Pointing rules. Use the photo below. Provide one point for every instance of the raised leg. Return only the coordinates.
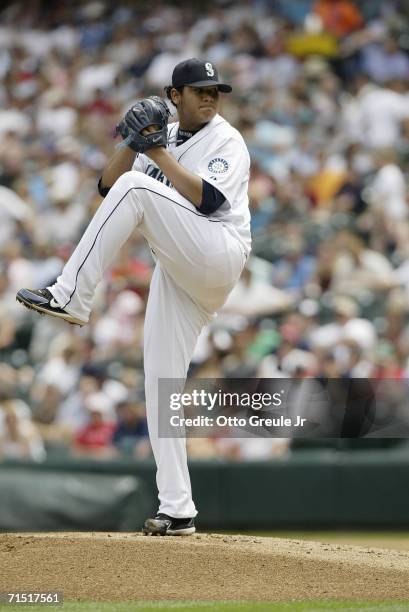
(197, 252)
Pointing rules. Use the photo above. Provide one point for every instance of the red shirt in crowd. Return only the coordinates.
(95, 435)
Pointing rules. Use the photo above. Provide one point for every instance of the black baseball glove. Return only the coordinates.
(152, 111)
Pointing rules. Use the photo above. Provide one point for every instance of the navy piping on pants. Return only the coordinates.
(111, 213)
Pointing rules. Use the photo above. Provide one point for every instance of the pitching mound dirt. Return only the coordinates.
(95, 566)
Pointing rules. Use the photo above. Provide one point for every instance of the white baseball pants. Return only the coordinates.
(198, 263)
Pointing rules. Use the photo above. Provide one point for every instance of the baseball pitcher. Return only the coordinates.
(184, 187)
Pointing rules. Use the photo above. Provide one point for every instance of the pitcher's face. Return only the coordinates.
(196, 106)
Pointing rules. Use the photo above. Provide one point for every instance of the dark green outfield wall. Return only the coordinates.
(314, 488)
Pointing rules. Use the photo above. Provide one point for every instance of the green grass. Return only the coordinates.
(218, 606)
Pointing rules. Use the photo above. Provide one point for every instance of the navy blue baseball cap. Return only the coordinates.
(197, 73)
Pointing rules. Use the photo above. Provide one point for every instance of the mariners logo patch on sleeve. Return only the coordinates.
(218, 165)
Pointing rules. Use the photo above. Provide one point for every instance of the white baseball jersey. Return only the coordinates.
(199, 259)
(218, 154)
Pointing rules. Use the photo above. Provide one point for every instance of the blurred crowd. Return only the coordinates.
(320, 94)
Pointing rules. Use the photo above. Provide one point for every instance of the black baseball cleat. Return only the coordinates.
(163, 525)
(42, 300)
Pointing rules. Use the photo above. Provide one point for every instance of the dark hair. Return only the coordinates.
(169, 88)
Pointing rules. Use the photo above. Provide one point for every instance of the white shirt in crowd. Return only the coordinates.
(374, 116)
